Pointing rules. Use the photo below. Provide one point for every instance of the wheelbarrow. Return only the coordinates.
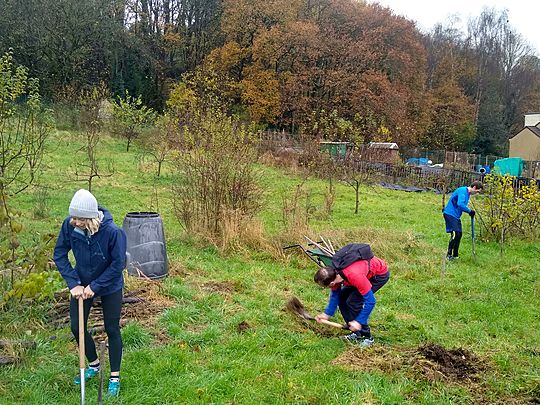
(315, 254)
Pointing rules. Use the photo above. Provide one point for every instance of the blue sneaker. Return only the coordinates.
(114, 387)
(88, 373)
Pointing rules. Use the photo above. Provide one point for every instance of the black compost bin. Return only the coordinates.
(146, 251)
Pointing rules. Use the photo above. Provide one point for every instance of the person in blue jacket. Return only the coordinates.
(457, 204)
(99, 249)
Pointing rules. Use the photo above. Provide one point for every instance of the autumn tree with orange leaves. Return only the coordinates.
(358, 62)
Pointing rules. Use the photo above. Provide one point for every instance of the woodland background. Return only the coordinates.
(339, 69)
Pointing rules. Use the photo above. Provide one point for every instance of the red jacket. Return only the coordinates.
(358, 274)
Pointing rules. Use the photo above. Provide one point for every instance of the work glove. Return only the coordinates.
(472, 213)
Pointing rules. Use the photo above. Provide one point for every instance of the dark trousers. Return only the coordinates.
(112, 309)
(454, 228)
(351, 301)
(453, 245)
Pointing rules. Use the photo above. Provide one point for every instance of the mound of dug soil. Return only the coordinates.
(455, 364)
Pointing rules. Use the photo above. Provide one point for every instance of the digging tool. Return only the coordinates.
(473, 240)
(295, 305)
(81, 346)
(101, 361)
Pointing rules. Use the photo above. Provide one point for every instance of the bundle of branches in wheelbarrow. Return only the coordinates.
(319, 252)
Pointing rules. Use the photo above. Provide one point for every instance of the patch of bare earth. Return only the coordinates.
(221, 287)
(456, 365)
(243, 326)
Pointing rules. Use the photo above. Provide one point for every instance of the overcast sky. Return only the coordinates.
(524, 15)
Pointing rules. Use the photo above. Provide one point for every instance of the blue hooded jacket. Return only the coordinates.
(99, 258)
(457, 204)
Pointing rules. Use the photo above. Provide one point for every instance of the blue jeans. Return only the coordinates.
(351, 301)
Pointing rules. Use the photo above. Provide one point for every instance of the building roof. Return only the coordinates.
(534, 130)
(383, 145)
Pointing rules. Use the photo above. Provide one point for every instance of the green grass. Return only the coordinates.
(489, 307)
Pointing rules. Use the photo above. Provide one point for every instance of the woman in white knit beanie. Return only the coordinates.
(99, 248)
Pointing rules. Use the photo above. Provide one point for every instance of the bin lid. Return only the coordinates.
(142, 214)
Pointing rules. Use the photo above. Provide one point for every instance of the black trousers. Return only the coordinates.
(351, 301)
(453, 245)
(112, 309)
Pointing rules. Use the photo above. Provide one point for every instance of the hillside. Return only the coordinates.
(216, 330)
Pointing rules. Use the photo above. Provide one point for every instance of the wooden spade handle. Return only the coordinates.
(334, 324)
(81, 333)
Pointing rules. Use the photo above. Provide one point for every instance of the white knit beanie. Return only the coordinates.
(83, 205)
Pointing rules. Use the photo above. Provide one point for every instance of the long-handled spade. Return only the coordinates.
(81, 346)
(473, 240)
(295, 306)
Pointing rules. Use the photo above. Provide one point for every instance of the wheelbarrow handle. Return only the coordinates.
(305, 251)
(292, 246)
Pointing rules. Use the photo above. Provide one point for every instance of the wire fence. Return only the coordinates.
(435, 178)
(413, 156)
(433, 169)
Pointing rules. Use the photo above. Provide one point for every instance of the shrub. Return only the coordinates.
(37, 286)
(157, 141)
(217, 179)
(24, 128)
(130, 117)
(509, 211)
(88, 166)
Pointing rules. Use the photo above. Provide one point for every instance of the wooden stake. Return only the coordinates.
(326, 252)
(102, 363)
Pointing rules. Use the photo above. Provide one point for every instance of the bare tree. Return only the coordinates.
(92, 121)
(157, 142)
(353, 173)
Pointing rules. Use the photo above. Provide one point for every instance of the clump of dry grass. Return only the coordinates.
(286, 158)
(374, 358)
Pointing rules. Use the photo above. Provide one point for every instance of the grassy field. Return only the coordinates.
(218, 332)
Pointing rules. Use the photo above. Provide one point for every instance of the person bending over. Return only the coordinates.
(352, 290)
